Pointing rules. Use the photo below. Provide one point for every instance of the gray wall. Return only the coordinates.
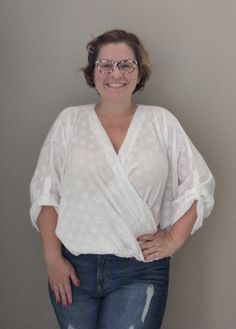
(192, 43)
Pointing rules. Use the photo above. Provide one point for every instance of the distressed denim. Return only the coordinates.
(115, 293)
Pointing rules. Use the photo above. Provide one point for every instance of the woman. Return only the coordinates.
(117, 190)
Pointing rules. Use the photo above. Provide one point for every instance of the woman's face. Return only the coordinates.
(116, 86)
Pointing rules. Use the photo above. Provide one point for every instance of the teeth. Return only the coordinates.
(116, 85)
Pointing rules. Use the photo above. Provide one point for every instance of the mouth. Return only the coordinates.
(115, 85)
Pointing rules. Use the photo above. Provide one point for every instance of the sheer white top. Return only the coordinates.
(105, 200)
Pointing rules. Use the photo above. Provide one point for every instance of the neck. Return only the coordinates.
(109, 109)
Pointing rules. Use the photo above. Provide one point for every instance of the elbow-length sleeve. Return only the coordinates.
(45, 185)
(189, 177)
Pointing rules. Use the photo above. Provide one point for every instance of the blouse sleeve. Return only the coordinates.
(45, 186)
(189, 177)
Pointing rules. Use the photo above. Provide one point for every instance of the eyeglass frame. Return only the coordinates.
(116, 64)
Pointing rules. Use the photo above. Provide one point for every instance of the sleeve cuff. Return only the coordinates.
(200, 215)
(185, 205)
(51, 200)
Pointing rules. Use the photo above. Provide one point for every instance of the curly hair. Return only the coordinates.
(116, 36)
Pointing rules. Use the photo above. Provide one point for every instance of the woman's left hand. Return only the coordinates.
(158, 245)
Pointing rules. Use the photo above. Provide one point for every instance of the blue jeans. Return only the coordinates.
(115, 293)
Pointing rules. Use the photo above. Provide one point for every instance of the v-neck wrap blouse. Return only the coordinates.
(105, 200)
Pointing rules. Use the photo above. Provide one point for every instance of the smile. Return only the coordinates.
(116, 85)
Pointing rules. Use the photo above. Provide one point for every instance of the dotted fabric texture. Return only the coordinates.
(106, 200)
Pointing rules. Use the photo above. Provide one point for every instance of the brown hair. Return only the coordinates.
(116, 36)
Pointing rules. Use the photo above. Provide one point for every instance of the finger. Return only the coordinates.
(63, 295)
(50, 285)
(68, 292)
(150, 251)
(146, 245)
(146, 237)
(57, 294)
(153, 256)
(74, 278)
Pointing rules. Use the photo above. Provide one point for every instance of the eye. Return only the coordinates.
(105, 65)
(127, 66)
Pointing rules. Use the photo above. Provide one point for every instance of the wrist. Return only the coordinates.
(52, 259)
(51, 255)
(181, 230)
(177, 239)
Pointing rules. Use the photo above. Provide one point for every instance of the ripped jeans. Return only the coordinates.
(115, 293)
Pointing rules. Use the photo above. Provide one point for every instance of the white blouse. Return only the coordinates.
(105, 200)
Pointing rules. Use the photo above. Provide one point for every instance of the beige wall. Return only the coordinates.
(192, 43)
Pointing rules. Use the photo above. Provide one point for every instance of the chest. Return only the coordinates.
(101, 150)
(116, 130)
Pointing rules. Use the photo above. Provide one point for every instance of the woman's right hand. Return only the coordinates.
(60, 274)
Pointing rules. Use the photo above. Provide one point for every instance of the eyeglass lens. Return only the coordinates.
(124, 66)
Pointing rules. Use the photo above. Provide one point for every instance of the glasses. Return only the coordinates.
(108, 66)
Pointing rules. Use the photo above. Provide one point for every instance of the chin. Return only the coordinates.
(117, 97)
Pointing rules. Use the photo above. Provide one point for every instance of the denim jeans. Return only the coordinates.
(115, 293)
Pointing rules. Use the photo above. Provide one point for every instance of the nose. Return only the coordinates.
(116, 72)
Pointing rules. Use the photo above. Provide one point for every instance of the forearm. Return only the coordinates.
(183, 227)
(163, 243)
(47, 222)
